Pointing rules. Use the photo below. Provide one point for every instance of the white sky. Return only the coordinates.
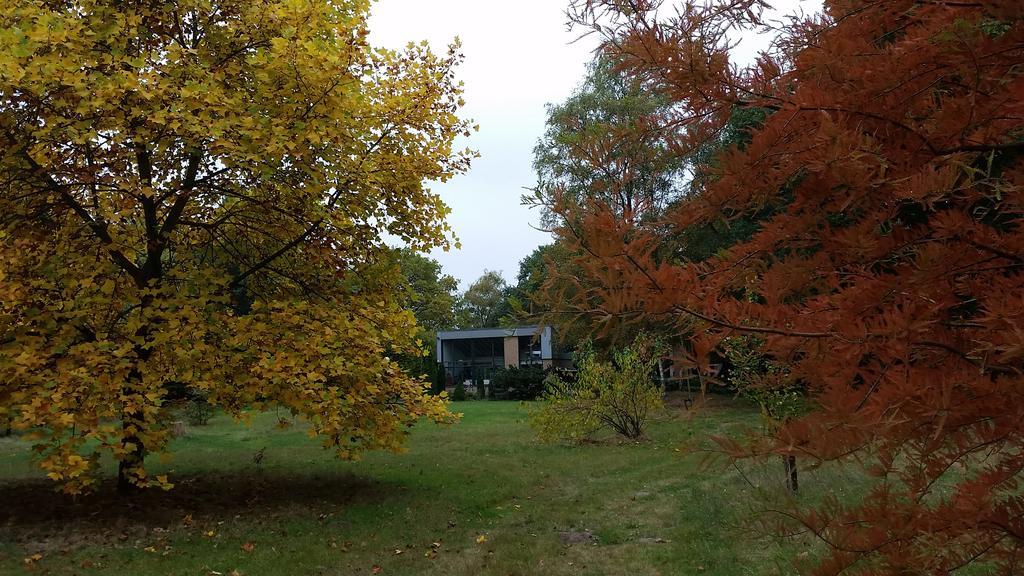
(519, 56)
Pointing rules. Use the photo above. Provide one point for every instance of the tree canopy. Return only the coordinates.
(886, 272)
(431, 294)
(484, 304)
(194, 197)
(592, 148)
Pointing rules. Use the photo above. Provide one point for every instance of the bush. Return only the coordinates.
(198, 412)
(518, 383)
(770, 384)
(459, 394)
(618, 395)
(437, 383)
(763, 380)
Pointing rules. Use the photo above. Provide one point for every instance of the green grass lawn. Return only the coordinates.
(478, 498)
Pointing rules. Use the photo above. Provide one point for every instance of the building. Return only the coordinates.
(471, 355)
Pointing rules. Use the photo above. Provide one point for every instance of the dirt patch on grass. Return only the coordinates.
(577, 537)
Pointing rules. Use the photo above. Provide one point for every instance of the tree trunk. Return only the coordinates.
(132, 459)
(124, 482)
(131, 425)
(792, 482)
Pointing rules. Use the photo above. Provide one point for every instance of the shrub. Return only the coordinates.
(769, 383)
(763, 380)
(438, 380)
(198, 412)
(518, 383)
(618, 395)
(459, 394)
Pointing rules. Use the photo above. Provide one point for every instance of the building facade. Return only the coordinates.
(471, 355)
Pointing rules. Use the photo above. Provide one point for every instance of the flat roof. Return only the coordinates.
(490, 332)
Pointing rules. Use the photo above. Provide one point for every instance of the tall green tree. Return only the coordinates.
(431, 296)
(699, 241)
(538, 292)
(523, 297)
(590, 150)
(606, 144)
(430, 293)
(485, 303)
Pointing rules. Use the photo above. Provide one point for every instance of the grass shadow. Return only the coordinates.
(35, 513)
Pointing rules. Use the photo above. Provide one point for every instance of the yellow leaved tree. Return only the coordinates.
(194, 198)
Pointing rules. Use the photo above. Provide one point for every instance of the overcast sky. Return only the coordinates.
(519, 56)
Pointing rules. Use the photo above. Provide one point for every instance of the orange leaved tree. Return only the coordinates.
(886, 267)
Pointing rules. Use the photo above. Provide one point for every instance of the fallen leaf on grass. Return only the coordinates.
(481, 539)
(248, 546)
(376, 569)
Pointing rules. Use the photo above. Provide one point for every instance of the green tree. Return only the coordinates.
(545, 278)
(524, 298)
(431, 296)
(196, 196)
(484, 303)
(770, 384)
(590, 150)
(699, 241)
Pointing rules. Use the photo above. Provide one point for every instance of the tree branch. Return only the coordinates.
(97, 226)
